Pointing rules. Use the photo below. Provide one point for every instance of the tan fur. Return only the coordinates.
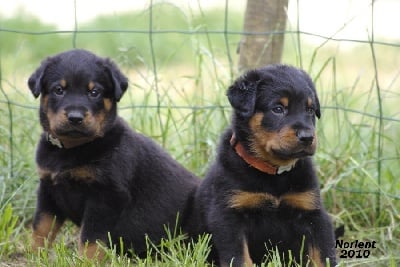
(250, 200)
(284, 101)
(315, 256)
(309, 102)
(263, 142)
(47, 228)
(91, 85)
(63, 83)
(56, 120)
(100, 122)
(247, 261)
(94, 123)
(308, 200)
(45, 173)
(83, 173)
(44, 102)
(107, 104)
(91, 250)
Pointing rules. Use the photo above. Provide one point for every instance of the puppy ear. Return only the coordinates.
(242, 94)
(35, 81)
(314, 92)
(318, 108)
(119, 80)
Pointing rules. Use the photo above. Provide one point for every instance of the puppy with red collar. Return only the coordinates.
(262, 192)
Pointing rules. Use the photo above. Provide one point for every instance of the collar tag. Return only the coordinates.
(286, 168)
(54, 141)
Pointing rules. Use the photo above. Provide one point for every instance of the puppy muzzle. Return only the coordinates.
(75, 117)
(305, 137)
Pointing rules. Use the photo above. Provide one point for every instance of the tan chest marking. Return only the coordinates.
(308, 200)
(82, 173)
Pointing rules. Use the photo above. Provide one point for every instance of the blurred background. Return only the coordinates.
(180, 57)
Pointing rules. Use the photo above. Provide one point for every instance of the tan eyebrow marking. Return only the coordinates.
(63, 83)
(91, 85)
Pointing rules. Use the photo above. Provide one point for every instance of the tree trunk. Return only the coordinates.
(264, 26)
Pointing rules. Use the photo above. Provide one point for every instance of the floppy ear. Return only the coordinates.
(314, 92)
(242, 93)
(35, 81)
(318, 108)
(119, 80)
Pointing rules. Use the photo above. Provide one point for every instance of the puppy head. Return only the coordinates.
(274, 113)
(78, 92)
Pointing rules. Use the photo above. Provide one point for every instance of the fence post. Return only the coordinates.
(264, 26)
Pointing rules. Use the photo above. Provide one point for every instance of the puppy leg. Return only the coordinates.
(99, 220)
(46, 222)
(247, 261)
(314, 255)
(90, 250)
(45, 227)
(234, 254)
(321, 245)
(229, 240)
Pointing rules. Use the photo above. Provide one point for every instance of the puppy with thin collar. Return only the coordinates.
(94, 170)
(262, 192)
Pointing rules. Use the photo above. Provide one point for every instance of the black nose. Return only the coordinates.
(75, 117)
(305, 137)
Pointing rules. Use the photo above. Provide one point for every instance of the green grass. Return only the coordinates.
(177, 97)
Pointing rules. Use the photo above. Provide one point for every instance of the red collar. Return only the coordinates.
(255, 162)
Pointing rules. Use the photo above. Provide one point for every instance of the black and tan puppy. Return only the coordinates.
(94, 170)
(262, 193)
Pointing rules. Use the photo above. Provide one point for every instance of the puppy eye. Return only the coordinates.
(94, 93)
(58, 90)
(278, 110)
(310, 111)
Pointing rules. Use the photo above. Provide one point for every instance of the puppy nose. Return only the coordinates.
(75, 117)
(305, 137)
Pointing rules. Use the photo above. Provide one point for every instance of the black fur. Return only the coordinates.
(276, 221)
(111, 179)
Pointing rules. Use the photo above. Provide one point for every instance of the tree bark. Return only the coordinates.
(263, 39)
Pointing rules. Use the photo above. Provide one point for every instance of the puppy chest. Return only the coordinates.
(68, 197)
